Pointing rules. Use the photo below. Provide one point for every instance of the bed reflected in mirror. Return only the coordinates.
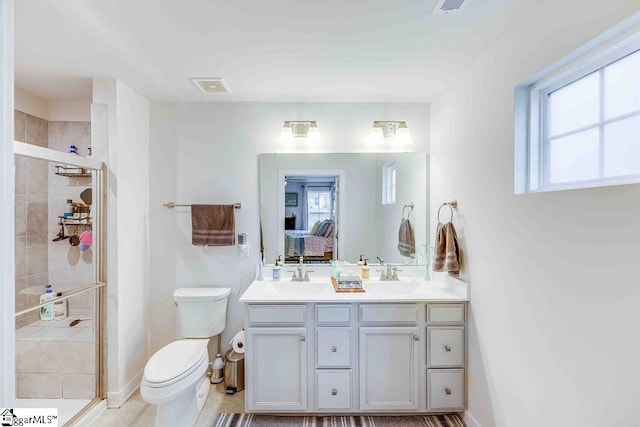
(311, 206)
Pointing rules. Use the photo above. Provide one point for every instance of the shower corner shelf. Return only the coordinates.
(77, 222)
(72, 172)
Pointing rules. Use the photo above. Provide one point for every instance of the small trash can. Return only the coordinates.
(233, 371)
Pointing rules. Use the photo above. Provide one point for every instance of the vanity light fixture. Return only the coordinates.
(292, 130)
(397, 131)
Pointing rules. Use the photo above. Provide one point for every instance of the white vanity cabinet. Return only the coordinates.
(276, 364)
(350, 357)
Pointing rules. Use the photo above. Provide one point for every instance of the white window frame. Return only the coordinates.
(389, 183)
(531, 144)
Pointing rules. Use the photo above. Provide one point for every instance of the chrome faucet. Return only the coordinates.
(390, 275)
(298, 275)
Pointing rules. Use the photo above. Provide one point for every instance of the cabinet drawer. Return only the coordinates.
(333, 314)
(445, 314)
(333, 389)
(388, 313)
(277, 314)
(333, 347)
(445, 346)
(445, 389)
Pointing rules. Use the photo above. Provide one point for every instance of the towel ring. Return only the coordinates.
(452, 204)
(410, 206)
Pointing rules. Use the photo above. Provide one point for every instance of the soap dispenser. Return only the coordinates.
(276, 270)
(361, 260)
(365, 270)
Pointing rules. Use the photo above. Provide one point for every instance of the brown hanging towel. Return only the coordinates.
(406, 239)
(213, 225)
(447, 255)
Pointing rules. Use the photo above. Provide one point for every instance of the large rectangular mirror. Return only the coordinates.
(360, 199)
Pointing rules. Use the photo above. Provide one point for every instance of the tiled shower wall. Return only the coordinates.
(69, 268)
(66, 367)
(32, 224)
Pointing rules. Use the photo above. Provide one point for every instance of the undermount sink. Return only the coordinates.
(295, 288)
(393, 287)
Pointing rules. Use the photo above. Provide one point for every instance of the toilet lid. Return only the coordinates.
(174, 359)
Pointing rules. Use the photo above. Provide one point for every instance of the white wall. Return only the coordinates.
(553, 336)
(52, 110)
(127, 155)
(7, 220)
(31, 104)
(69, 111)
(207, 153)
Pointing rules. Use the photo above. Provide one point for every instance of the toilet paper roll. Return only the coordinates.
(237, 342)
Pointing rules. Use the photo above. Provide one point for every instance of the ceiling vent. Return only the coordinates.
(449, 7)
(211, 85)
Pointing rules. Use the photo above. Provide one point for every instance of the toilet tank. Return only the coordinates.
(202, 312)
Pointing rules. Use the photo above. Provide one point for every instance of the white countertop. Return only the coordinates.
(320, 290)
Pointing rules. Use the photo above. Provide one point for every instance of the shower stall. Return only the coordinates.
(60, 273)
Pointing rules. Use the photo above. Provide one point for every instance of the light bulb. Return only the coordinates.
(286, 136)
(313, 136)
(376, 137)
(403, 136)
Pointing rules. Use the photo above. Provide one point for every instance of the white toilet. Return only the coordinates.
(175, 377)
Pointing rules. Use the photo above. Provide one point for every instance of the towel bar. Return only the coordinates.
(172, 205)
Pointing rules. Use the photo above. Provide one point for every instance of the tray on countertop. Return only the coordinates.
(347, 284)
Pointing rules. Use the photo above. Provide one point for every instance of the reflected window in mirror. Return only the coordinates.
(389, 183)
(319, 205)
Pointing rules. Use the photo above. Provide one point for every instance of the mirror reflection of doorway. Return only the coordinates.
(310, 222)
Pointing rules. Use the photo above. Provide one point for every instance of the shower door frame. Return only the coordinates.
(98, 169)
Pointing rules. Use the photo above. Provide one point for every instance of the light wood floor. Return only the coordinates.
(136, 412)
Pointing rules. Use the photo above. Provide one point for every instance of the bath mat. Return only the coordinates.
(262, 420)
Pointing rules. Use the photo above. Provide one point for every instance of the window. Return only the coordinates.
(389, 183)
(318, 206)
(582, 125)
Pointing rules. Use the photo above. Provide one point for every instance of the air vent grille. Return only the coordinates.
(211, 85)
(447, 7)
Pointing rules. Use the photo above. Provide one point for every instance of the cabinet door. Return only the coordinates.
(388, 368)
(276, 368)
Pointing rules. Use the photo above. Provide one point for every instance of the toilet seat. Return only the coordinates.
(174, 362)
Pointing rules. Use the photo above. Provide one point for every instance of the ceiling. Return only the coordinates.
(277, 50)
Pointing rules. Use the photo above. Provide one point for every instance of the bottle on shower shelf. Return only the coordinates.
(46, 311)
(60, 308)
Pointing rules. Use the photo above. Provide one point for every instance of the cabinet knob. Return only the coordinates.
(334, 392)
(447, 348)
(416, 337)
(334, 349)
(447, 390)
(302, 338)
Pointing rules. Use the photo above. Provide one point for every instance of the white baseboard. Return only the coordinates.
(91, 417)
(117, 399)
(469, 420)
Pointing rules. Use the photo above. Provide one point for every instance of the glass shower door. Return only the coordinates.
(59, 283)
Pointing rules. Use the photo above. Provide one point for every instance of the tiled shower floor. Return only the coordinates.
(57, 330)
(67, 408)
